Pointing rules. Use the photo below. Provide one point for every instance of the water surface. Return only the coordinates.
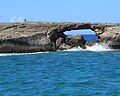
(64, 73)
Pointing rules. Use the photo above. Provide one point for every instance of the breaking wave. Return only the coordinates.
(12, 54)
(96, 48)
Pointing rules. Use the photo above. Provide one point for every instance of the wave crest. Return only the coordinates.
(96, 47)
(12, 54)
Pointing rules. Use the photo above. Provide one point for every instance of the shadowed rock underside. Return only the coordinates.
(49, 36)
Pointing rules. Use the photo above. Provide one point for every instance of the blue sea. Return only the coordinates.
(73, 72)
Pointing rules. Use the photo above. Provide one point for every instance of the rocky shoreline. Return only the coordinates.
(49, 36)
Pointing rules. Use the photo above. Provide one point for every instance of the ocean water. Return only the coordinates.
(90, 37)
(73, 72)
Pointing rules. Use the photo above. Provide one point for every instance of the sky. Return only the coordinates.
(60, 10)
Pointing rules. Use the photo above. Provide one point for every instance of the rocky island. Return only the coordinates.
(49, 36)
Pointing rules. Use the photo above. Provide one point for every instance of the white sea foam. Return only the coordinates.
(75, 49)
(96, 47)
(12, 54)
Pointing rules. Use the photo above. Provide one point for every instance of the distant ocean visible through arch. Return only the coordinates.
(88, 34)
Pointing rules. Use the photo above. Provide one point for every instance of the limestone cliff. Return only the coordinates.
(49, 36)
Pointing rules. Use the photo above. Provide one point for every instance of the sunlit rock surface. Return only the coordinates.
(49, 36)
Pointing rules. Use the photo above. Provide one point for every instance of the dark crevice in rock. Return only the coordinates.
(49, 36)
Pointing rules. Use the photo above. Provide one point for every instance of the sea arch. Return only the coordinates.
(59, 30)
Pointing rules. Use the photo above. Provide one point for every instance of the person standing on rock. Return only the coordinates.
(25, 20)
(25, 23)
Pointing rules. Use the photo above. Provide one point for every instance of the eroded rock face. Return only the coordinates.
(64, 46)
(49, 36)
(34, 43)
(68, 42)
(111, 37)
(59, 42)
(76, 40)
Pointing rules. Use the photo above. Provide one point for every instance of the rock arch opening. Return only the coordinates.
(88, 34)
